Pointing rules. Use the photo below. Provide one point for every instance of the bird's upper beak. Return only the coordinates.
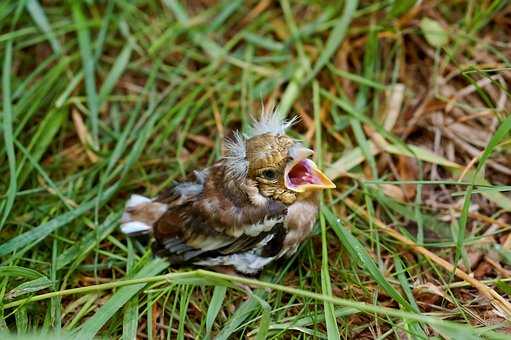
(302, 174)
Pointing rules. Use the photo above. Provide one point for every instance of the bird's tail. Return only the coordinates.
(140, 214)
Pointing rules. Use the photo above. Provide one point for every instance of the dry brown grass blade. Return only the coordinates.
(83, 134)
(495, 298)
(394, 102)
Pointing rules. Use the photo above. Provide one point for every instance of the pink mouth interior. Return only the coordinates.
(302, 173)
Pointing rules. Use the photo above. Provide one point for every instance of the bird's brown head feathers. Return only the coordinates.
(271, 161)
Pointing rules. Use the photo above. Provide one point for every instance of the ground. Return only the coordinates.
(405, 102)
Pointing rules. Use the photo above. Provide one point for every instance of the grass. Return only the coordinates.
(405, 103)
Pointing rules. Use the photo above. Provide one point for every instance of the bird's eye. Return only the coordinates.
(269, 174)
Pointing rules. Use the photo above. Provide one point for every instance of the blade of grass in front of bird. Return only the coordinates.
(184, 301)
(245, 309)
(149, 315)
(497, 137)
(55, 319)
(90, 328)
(130, 317)
(215, 305)
(264, 324)
(487, 189)
(354, 157)
(7, 132)
(37, 13)
(21, 320)
(241, 313)
(88, 69)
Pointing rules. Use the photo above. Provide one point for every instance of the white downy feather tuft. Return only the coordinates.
(236, 156)
(247, 263)
(271, 121)
(135, 227)
(136, 200)
(130, 223)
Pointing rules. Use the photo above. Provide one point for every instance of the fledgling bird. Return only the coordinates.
(253, 206)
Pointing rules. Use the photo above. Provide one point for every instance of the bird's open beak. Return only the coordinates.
(302, 174)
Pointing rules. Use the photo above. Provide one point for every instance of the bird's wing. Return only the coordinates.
(198, 225)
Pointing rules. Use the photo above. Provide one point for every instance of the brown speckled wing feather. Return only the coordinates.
(201, 220)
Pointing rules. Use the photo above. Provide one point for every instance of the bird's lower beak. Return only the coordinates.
(302, 175)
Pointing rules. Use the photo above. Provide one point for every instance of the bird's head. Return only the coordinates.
(279, 166)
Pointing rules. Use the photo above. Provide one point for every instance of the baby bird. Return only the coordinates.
(253, 206)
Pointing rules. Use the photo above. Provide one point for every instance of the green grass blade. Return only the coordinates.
(215, 305)
(17, 271)
(115, 73)
(326, 286)
(264, 324)
(336, 36)
(358, 252)
(88, 69)
(7, 132)
(405, 285)
(83, 247)
(242, 312)
(37, 13)
(501, 132)
(30, 287)
(130, 317)
(41, 140)
(229, 7)
(47, 228)
(330, 319)
(103, 314)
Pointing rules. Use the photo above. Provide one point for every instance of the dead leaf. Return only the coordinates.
(408, 171)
